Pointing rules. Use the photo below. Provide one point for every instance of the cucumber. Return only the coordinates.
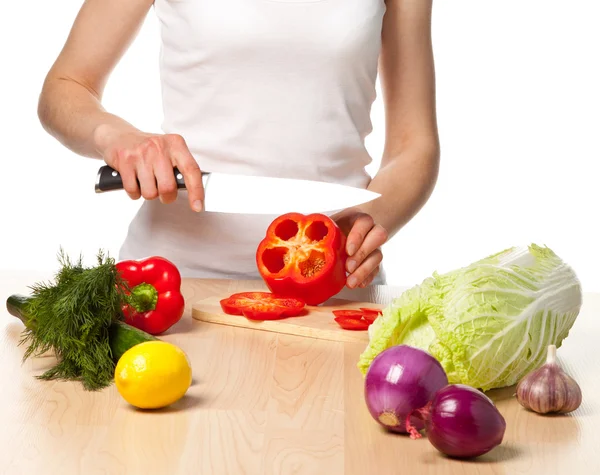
(121, 335)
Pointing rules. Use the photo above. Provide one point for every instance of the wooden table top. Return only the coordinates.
(266, 404)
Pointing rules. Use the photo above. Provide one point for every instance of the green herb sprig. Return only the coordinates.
(72, 317)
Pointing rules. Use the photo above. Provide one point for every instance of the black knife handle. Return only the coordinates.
(108, 179)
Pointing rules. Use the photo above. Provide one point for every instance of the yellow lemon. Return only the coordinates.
(153, 374)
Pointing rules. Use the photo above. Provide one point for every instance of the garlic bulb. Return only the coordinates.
(549, 389)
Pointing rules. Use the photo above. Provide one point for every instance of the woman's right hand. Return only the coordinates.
(146, 161)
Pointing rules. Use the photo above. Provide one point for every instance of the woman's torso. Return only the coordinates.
(258, 87)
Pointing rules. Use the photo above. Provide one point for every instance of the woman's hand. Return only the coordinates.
(146, 161)
(363, 245)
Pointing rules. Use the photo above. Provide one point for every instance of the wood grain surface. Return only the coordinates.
(267, 403)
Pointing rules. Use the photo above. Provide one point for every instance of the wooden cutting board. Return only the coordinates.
(318, 322)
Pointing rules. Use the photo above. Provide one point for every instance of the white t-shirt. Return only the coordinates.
(258, 87)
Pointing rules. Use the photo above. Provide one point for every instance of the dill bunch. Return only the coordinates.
(72, 317)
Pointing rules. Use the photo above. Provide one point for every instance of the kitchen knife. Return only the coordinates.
(248, 194)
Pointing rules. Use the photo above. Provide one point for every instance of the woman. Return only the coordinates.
(267, 87)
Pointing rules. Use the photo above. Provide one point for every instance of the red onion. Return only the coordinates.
(460, 422)
(400, 380)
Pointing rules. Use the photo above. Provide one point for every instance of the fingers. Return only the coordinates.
(370, 277)
(375, 237)
(144, 168)
(130, 182)
(365, 269)
(364, 249)
(165, 180)
(361, 226)
(146, 163)
(192, 175)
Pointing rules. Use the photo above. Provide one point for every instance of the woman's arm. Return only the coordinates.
(70, 105)
(410, 162)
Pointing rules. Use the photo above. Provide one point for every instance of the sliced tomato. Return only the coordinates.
(348, 313)
(262, 306)
(352, 323)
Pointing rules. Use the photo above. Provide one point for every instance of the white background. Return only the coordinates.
(518, 108)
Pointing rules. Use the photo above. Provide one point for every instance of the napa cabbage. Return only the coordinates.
(488, 323)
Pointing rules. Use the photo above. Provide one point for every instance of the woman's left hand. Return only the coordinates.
(363, 245)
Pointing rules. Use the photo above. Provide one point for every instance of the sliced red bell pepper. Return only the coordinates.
(304, 257)
(370, 314)
(352, 323)
(154, 300)
(373, 310)
(348, 313)
(262, 306)
(361, 316)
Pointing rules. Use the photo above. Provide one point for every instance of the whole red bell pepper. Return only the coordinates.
(154, 302)
(304, 257)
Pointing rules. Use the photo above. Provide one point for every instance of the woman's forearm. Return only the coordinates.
(405, 183)
(411, 157)
(73, 114)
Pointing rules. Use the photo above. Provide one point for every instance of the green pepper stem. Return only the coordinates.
(143, 297)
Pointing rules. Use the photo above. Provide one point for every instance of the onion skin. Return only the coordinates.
(461, 422)
(399, 380)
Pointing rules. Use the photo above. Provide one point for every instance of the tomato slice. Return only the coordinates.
(348, 313)
(352, 323)
(262, 306)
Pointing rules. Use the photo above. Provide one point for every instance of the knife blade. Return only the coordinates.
(249, 194)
